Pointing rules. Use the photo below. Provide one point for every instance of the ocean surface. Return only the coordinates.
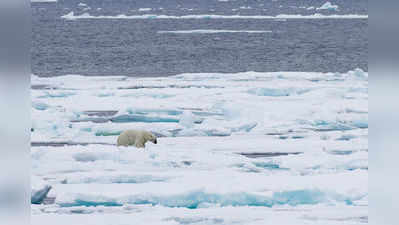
(149, 47)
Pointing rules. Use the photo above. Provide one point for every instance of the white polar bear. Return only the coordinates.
(137, 138)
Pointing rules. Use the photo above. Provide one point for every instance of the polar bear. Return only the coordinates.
(137, 138)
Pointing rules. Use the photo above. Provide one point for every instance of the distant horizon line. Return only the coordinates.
(72, 16)
(211, 31)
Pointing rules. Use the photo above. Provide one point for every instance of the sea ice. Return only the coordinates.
(71, 16)
(144, 9)
(40, 189)
(242, 148)
(328, 6)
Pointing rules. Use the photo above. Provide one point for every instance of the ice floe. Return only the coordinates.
(328, 6)
(144, 9)
(290, 147)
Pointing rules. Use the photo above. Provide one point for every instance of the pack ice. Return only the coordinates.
(242, 148)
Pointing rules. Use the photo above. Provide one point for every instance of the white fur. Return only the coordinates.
(136, 138)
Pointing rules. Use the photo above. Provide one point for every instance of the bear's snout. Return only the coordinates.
(155, 141)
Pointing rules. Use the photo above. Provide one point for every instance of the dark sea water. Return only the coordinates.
(134, 47)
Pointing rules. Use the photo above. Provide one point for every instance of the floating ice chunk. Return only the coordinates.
(310, 8)
(359, 73)
(40, 189)
(82, 4)
(144, 9)
(328, 6)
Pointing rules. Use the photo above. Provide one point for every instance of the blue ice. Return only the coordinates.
(38, 196)
(269, 165)
(107, 133)
(196, 199)
(40, 105)
(171, 112)
(57, 95)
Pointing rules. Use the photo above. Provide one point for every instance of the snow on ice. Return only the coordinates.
(242, 148)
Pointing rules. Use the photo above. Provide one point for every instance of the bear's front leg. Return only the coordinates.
(140, 145)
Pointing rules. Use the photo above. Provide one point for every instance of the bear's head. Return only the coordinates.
(151, 137)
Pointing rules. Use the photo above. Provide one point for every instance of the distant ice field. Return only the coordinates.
(72, 16)
(220, 7)
(233, 148)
